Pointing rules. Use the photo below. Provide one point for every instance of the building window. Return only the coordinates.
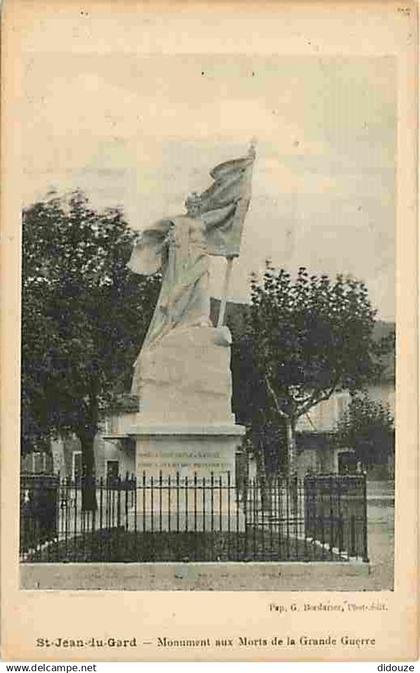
(112, 469)
(347, 462)
(76, 465)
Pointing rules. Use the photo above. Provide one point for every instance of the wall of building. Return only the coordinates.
(325, 415)
(37, 462)
(116, 450)
(64, 450)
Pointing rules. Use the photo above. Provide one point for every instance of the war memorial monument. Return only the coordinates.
(185, 428)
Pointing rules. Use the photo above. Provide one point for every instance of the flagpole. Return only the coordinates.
(228, 273)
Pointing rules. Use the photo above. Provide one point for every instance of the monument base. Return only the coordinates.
(186, 379)
(186, 477)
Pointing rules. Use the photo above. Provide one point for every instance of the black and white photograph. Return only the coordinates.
(208, 321)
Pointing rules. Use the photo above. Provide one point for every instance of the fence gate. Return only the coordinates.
(39, 517)
(336, 512)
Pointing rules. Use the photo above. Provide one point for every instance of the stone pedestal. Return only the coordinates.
(186, 450)
(185, 434)
(186, 477)
(185, 378)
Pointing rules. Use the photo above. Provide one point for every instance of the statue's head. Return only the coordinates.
(193, 203)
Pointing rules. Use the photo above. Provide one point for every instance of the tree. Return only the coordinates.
(84, 316)
(304, 340)
(368, 428)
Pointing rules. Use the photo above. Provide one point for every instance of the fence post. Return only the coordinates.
(279, 514)
(126, 491)
(177, 502)
(254, 515)
(195, 504)
(331, 516)
(101, 512)
(287, 518)
(229, 486)
(220, 503)
(296, 512)
(134, 501)
(237, 504)
(160, 501)
(211, 503)
(352, 535)
(186, 503)
(118, 502)
(340, 518)
(152, 509)
(262, 503)
(144, 501)
(365, 531)
(204, 504)
(195, 517)
(57, 506)
(169, 503)
(75, 509)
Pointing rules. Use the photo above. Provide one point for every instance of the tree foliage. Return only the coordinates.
(84, 316)
(306, 338)
(368, 428)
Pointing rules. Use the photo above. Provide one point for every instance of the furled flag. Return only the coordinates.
(224, 205)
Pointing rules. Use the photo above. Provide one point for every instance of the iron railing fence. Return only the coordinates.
(39, 520)
(336, 512)
(176, 518)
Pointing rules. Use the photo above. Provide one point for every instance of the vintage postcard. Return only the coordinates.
(209, 331)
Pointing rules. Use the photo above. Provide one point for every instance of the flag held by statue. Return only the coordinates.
(224, 205)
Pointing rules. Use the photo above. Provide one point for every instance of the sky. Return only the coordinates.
(143, 131)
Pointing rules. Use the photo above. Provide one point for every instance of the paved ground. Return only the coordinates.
(381, 534)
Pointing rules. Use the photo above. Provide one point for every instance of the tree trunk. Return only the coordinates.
(291, 446)
(262, 474)
(260, 460)
(292, 466)
(88, 470)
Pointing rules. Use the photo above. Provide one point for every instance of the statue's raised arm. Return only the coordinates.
(150, 250)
